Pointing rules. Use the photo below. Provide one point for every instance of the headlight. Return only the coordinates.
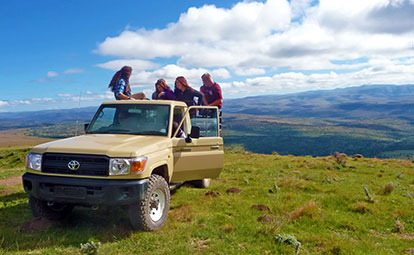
(122, 166)
(34, 161)
(119, 166)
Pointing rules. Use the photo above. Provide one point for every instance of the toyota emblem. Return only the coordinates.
(73, 165)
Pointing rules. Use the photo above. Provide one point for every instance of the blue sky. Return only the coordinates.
(54, 51)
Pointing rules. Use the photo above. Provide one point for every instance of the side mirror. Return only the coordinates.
(85, 126)
(195, 132)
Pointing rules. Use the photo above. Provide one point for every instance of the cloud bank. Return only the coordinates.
(275, 46)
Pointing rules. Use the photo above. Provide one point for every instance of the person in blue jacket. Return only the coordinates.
(120, 85)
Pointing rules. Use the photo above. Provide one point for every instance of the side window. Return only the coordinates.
(206, 120)
(178, 116)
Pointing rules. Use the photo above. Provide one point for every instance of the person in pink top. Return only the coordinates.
(211, 91)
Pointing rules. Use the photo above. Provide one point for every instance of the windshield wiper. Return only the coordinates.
(108, 131)
(149, 133)
(117, 130)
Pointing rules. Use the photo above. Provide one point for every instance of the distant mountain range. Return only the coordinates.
(368, 101)
(11, 120)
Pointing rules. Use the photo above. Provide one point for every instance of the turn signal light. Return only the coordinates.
(138, 164)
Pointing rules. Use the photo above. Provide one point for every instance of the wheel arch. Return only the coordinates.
(162, 170)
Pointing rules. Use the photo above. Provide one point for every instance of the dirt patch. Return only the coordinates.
(405, 236)
(233, 190)
(227, 227)
(200, 244)
(409, 251)
(212, 194)
(37, 224)
(261, 208)
(265, 218)
(6, 191)
(182, 213)
(11, 181)
(19, 137)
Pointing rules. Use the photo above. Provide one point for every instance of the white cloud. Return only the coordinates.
(136, 64)
(88, 96)
(108, 96)
(22, 102)
(3, 103)
(42, 100)
(379, 73)
(52, 74)
(66, 95)
(258, 38)
(249, 71)
(197, 35)
(171, 72)
(73, 71)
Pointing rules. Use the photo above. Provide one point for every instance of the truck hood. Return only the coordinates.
(112, 145)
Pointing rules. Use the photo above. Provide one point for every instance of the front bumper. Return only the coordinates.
(84, 191)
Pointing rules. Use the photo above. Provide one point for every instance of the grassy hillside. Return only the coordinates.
(255, 204)
(386, 138)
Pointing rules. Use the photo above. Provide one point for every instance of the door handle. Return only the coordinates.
(215, 147)
(183, 150)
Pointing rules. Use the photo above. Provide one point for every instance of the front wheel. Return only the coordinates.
(51, 211)
(151, 213)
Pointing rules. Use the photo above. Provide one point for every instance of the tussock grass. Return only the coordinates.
(326, 210)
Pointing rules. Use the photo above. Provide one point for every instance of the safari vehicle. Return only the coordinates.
(129, 155)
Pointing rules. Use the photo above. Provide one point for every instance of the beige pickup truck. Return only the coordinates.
(131, 152)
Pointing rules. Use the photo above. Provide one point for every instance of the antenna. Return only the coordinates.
(77, 119)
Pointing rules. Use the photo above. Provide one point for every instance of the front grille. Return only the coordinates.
(57, 163)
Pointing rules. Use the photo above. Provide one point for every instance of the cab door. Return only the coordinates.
(202, 157)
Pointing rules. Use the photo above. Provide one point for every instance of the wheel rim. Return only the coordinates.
(156, 205)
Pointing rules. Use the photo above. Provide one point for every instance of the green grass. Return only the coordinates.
(12, 162)
(321, 203)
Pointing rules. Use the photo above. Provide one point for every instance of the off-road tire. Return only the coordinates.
(201, 184)
(151, 212)
(56, 211)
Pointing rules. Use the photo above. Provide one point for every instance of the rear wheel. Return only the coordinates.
(201, 184)
(51, 211)
(151, 213)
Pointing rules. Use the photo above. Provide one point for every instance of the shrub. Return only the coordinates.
(311, 209)
(90, 248)
(361, 207)
(388, 188)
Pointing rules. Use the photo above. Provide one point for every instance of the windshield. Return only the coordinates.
(138, 119)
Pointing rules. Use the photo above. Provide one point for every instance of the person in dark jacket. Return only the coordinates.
(183, 92)
(163, 91)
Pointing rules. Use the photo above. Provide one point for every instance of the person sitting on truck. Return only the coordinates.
(120, 85)
(211, 91)
(163, 91)
(183, 92)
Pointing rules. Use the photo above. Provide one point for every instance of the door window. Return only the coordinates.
(206, 120)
